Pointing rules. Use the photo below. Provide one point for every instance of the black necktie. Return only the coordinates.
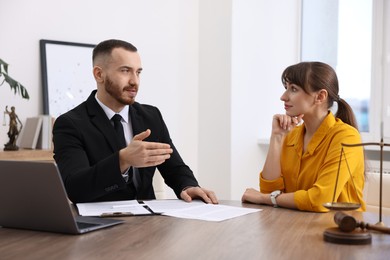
(122, 142)
(119, 130)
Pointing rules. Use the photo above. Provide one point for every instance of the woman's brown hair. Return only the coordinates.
(314, 76)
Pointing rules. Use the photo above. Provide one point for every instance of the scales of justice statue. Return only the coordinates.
(349, 230)
(15, 127)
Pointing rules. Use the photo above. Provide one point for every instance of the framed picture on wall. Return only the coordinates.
(67, 78)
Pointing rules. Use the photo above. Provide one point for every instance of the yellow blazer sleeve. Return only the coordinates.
(268, 186)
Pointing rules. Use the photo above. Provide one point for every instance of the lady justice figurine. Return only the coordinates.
(14, 129)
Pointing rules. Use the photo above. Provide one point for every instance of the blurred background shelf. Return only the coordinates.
(27, 155)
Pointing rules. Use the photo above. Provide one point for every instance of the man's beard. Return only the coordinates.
(115, 91)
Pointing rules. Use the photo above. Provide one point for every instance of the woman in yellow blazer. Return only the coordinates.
(305, 145)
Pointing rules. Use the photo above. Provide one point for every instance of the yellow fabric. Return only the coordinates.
(312, 176)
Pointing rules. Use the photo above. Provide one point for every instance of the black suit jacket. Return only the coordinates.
(86, 151)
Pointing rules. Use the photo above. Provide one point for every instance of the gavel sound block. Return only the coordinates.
(351, 231)
(347, 232)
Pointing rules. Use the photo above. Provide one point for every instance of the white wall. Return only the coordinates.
(212, 67)
(265, 41)
(215, 95)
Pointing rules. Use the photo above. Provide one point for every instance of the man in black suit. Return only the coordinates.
(88, 151)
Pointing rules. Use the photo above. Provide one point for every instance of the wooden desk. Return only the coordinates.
(27, 155)
(273, 233)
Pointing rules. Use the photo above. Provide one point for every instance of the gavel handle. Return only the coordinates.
(374, 227)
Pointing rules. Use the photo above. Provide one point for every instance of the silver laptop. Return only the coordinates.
(32, 196)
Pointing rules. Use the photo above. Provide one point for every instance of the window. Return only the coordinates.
(339, 32)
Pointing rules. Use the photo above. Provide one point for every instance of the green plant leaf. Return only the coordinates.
(16, 86)
(5, 66)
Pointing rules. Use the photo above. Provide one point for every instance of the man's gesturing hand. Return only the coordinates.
(143, 154)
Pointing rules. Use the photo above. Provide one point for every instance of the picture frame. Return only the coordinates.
(67, 78)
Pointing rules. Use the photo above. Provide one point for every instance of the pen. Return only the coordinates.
(150, 210)
(116, 214)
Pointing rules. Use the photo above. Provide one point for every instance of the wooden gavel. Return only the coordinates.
(348, 223)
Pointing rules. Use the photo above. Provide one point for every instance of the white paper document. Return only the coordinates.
(174, 208)
(112, 208)
(163, 206)
(197, 210)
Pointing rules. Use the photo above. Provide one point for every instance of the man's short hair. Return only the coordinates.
(106, 47)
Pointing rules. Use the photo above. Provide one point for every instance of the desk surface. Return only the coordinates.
(273, 233)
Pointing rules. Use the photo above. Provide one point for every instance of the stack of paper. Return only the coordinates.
(174, 208)
(112, 208)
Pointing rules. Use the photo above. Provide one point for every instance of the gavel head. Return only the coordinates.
(345, 222)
